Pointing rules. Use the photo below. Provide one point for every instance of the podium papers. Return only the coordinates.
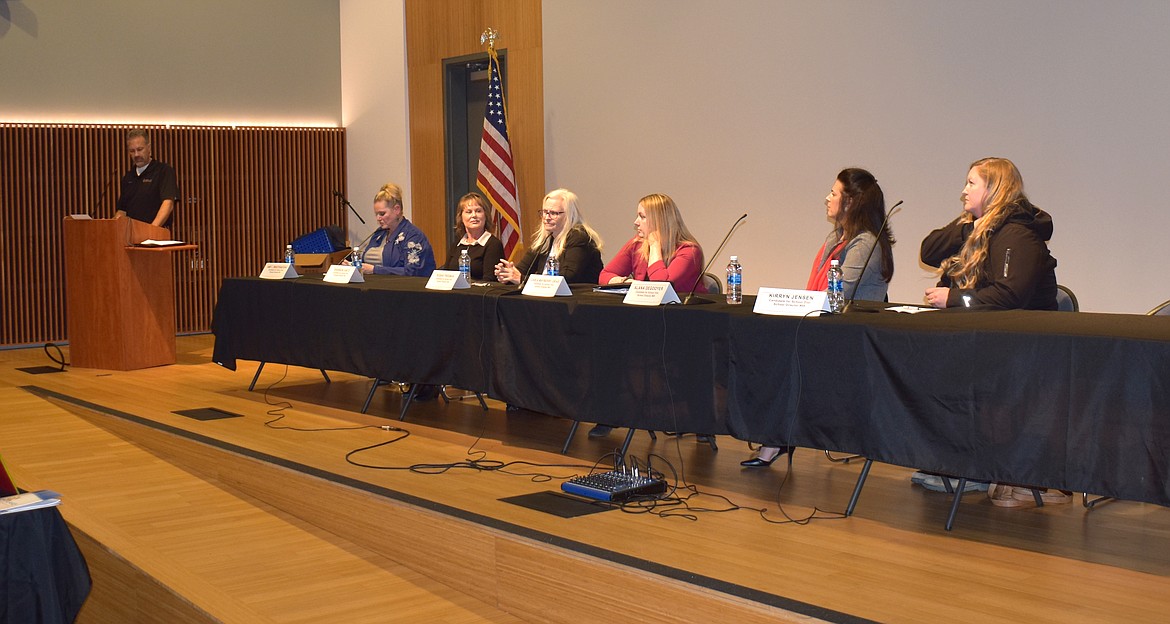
(278, 270)
(650, 293)
(546, 286)
(447, 280)
(344, 274)
(790, 302)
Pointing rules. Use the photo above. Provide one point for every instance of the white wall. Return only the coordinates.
(213, 62)
(755, 105)
(374, 104)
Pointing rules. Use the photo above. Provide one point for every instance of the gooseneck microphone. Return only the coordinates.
(876, 244)
(690, 300)
(345, 202)
(105, 189)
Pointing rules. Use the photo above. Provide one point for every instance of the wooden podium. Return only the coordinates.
(119, 299)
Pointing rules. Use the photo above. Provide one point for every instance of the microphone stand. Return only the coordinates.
(345, 202)
(106, 189)
(690, 298)
(849, 304)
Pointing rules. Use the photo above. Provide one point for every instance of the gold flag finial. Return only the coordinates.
(489, 37)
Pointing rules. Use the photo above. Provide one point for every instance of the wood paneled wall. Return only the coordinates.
(246, 193)
(441, 29)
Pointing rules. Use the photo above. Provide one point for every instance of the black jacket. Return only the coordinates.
(1019, 272)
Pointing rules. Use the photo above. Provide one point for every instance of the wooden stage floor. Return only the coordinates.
(418, 537)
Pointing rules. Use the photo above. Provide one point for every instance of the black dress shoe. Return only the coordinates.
(600, 431)
(759, 462)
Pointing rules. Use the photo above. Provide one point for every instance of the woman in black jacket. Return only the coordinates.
(995, 254)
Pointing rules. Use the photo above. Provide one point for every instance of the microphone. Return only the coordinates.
(106, 189)
(345, 202)
(690, 300)
(530, 272)
(889, 213)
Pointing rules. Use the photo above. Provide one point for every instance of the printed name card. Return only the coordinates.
(790, 302)
(546, 286)
(650, 293)
(278, 270)
(447, 280)
(344, 274)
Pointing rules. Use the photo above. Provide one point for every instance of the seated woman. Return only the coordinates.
(856, 207)
(565, 234)
(397, 247)
(662, 249)
(994, 255)
(475, 235)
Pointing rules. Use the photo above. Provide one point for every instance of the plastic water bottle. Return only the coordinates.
(552, 266)
(734, 281)
(836, 289)
(465, 264)
(355, 257)
(288, 254)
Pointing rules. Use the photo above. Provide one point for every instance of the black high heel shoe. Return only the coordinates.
(759, 462)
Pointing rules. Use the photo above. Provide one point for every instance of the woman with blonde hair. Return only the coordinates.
(662, 249)
(397, 247)
(995, 254)
(564, 235)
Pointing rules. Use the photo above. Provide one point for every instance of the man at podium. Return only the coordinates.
(149, 188)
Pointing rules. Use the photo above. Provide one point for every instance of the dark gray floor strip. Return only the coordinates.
(731, 589)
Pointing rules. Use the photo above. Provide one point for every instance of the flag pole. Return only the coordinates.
(496, 176)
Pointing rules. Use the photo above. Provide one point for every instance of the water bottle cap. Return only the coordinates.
(834, 262)
(734, 258)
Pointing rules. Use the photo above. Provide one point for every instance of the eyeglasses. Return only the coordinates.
(552, 214)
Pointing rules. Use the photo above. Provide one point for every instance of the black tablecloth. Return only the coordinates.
(1057, 399)
(44, 577)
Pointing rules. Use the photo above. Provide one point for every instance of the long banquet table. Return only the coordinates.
(1071, 400)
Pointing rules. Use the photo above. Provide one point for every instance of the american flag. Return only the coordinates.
(497, 177)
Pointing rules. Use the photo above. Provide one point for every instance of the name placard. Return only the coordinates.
(278, 270)
(790, 302)
(546, 286)
(344, 274)
(650, 293)
(447, 280)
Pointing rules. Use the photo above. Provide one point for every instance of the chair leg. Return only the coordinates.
(1036, 497)
(370, 396)
(256, 376)
(406, 401)
(325, 375)
(711, 441)
(483, 403)
(653, 436)
(569, 438)
(841, 460)
(857, 488)
(1088, 503)
(958, 499)
(626, 444)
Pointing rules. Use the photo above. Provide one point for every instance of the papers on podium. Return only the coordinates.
(344, 274)
(447, 280)
(29, 501)
(546, 286)
(278, 270)
(650, 293)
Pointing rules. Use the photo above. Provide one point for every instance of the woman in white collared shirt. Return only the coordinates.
(475, 235)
